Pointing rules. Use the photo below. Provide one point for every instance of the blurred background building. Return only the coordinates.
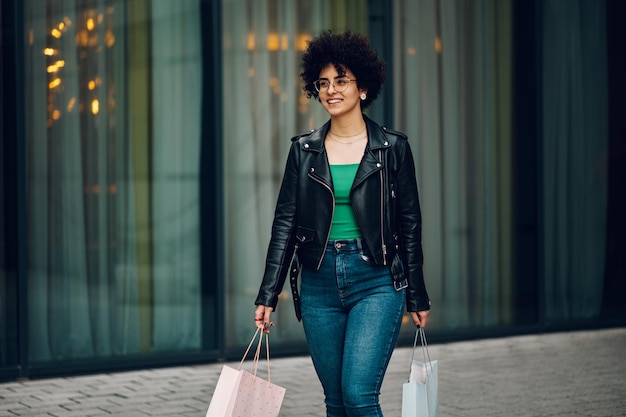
(143, 142)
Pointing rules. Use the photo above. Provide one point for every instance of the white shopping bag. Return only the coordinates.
(420, 392)
(223, 399)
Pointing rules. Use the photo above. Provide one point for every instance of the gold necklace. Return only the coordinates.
(347, 143)
(348, 136)
(359, 137)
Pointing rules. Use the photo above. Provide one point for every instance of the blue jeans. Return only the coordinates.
(351, 315)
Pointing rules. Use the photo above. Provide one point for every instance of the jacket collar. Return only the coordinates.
(372, 161)
(376, 137)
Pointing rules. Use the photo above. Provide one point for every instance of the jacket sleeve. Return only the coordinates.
(409, 219)
(282, 241)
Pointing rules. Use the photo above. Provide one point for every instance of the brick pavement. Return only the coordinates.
(569, 374)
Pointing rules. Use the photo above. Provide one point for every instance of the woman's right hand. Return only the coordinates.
(420, 318)
(262, 318)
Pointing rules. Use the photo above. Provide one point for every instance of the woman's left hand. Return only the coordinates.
(420, 318)
(262, 318)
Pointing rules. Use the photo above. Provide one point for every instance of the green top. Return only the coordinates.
(344, 223)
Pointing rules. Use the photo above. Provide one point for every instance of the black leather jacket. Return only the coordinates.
(385, 202)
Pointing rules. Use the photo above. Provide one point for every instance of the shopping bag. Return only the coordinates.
(257, 397)
(420, 392)
(223, 399)
(240, 393)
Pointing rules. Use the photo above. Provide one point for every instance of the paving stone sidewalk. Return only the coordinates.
(569, 374)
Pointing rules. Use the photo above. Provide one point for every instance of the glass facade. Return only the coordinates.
(456, 58)
(112, 178)
(141, 165)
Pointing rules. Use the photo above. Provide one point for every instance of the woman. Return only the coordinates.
(348, 214)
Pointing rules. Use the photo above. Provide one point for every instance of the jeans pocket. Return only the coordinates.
(366, 256)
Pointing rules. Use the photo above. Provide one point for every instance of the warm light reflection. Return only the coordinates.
(284, 42)
(109, 38)
(71, 104)
(251, 72)
(54, 83)
(411, 51)
(272, 42)
(82, 38)
(113, 189)
(86, 36)
(301, 41)
(438, 44)
(95, 106)
(275, 42)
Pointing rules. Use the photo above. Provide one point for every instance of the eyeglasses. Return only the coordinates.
(340, 84)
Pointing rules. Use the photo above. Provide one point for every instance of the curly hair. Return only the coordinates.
(346, 51)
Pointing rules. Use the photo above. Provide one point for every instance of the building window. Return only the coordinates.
(112, 137)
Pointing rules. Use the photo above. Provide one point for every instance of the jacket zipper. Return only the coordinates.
(331, 216)
(382, 206)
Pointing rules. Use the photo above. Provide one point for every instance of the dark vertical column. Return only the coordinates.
(211, 179)
(13, 188)
(615, 273)
(526, 159)
(380, 14)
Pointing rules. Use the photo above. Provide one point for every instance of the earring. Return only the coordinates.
(363, 96)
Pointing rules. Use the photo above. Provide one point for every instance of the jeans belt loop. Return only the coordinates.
(400, 285)
(359, 244)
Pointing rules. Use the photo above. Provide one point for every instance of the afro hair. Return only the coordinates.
(346, 51)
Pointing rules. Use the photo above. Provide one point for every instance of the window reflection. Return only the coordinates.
(112, 139)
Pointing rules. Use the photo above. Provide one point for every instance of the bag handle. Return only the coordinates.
(419, 332)
(257, 354)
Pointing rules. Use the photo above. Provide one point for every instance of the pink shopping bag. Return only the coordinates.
(240, 393)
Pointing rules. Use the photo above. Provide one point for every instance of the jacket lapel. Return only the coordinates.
(372, 161)
(320, 168)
